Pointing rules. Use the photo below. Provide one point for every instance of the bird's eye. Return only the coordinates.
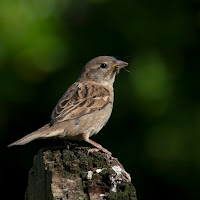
(103, 65)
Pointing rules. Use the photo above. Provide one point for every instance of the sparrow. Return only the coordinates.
(85, 107)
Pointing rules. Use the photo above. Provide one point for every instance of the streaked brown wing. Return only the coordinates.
(77, 102)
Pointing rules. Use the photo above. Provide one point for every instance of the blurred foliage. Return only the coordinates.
(156, 118)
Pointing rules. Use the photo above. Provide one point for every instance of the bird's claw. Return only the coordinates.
(92, 150)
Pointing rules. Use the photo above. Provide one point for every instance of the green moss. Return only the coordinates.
(83, 175)
(79, 163)
(96, 176)
(125, 191)
(118, 196)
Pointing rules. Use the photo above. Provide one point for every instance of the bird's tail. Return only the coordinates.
(40, 133)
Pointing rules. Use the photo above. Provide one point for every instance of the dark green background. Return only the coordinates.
(154, 129)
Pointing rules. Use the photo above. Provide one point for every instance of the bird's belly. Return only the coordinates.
(91, 123)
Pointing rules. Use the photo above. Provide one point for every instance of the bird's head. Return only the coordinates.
(102, 69)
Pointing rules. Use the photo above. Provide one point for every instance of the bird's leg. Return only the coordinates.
(69, 145)
(98, 146)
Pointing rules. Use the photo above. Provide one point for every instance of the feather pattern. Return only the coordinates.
(80, 100)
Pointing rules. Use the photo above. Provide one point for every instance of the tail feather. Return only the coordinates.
(32, 136)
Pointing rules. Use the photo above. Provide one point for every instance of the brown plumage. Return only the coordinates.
(85, 107)
(79, 101)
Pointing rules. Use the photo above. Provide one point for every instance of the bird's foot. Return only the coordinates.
(98, 146)
(109, 154)
(92, 150)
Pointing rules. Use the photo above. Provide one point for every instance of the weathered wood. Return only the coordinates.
(59, 174)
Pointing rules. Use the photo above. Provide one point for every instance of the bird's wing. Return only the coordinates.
(79, 101)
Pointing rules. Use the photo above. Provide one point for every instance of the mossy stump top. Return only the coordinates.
(60, 174)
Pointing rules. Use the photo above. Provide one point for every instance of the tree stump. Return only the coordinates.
(60, 174)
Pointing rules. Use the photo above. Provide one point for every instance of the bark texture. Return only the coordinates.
(60, 174)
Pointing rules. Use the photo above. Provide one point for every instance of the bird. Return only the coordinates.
(85, 107)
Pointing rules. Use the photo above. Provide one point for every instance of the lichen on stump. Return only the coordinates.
(60, 174)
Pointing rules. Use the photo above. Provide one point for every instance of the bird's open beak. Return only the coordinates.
(119, 65)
